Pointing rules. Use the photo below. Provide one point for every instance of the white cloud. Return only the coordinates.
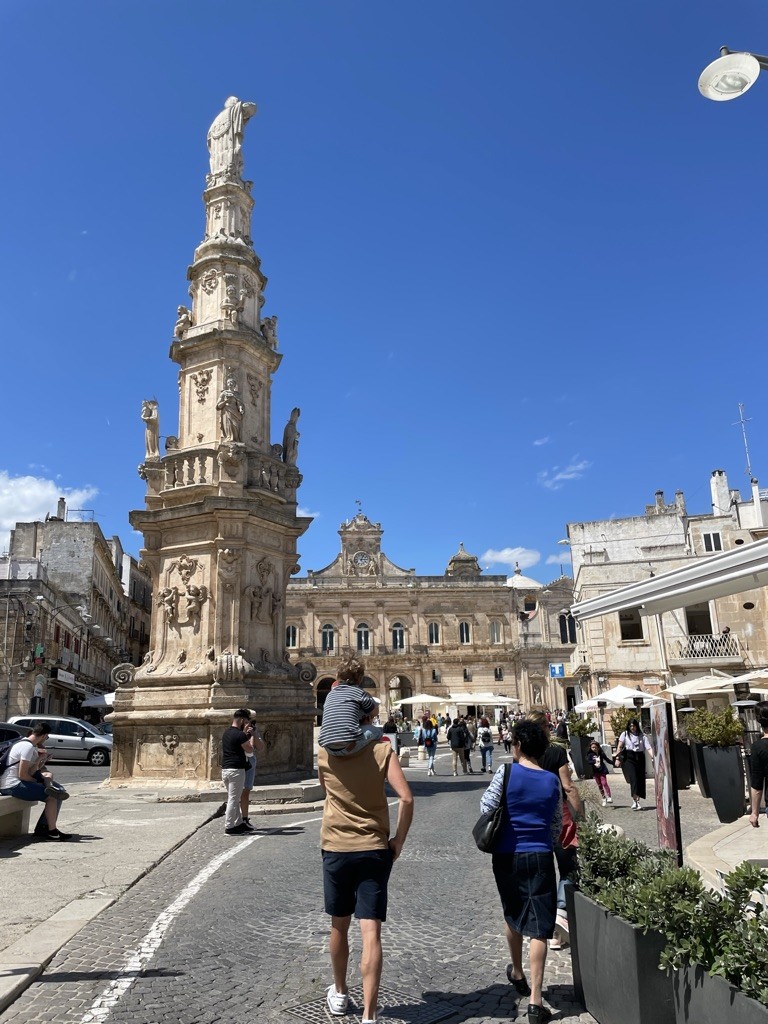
(25, 499)
(554, 478)
(561, 559)
(540, 441)
(524, 557)
(301, 511)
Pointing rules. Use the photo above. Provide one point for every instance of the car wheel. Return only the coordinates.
(98, 757)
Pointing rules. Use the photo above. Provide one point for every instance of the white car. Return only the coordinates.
(71, 739)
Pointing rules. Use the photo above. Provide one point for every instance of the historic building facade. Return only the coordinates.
(726, 634)
(463, 634)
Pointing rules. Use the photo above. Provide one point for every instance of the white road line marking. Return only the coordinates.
(139, 958)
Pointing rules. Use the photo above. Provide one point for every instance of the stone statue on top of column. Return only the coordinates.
(225, 139)
(291, 437)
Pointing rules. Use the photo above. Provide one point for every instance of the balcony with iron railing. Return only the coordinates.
(706, 649)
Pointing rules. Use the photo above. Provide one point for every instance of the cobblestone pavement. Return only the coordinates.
(248, 940)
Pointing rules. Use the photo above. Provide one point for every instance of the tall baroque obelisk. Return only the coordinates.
(220, 524)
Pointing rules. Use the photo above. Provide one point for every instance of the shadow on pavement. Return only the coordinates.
(63, 977)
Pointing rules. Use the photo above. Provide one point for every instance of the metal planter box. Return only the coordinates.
(725, 774)
(701, 998)
(616, 968)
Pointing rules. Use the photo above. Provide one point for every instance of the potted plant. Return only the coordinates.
(721, 733)
(580, 736)
(619, 880)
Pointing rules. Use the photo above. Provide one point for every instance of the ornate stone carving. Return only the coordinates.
(254, 386)
(230, 458)
(225, 139)
(229, 563)
(186, 568)
(248, 288)
(264, 568)
(184, 321)
(141, 469)
(229, 667)
(151, 417)
(122, 675)
(168, 600)
(291, 437)
(269, 330)
(169, 741)
(231, 411)
(196, 597)
(234, 300)
(171, 443)
(202, 380)
(209, 281)
(181, 659)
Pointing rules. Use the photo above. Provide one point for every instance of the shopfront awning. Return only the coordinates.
(486, 699)
(730, 572)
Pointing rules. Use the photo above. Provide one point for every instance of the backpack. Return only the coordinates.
(485, 736)
(5, 752)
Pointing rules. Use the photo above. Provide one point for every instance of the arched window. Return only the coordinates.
(529, 603)
(398, 637)
(465, 633)
(494, 632)
(567, 625)
(363, 637)
(433, 632)
(290, 636)
(327, 634)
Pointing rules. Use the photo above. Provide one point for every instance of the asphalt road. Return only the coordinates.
(74, 771)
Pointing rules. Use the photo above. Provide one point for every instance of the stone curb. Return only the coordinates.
(23, 961)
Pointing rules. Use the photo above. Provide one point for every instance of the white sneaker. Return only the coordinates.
(635, 805)
(337, 1001)
(610, 799)
(605, 802)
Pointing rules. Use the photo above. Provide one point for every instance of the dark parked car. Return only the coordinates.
(11, 732)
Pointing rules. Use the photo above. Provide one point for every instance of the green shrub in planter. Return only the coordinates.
(715, 728)
(578, 726)
(620, 719)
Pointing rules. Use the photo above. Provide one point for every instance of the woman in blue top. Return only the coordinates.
(428, 736)
(523, 861)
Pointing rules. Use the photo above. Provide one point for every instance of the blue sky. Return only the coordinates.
(518, 260)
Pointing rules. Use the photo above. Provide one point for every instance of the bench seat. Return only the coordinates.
(14, 816)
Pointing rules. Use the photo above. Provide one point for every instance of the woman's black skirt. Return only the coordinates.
(528, 889)
(634, 771)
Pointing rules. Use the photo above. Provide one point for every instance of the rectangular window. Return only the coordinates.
(712, 542)
(465, 633)
(434, 632)
(436, 677)
(467, 675)
(57, 634)
(498, 674)
(494, 632)
(631, 625)
(290, 636)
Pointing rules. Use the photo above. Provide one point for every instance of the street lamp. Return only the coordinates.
(731, 75)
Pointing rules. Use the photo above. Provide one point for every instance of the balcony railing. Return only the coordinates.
(706, 647)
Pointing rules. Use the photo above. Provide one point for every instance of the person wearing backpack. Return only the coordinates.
(428, 739)
(458, 737)
(20, 763)
(485, 740)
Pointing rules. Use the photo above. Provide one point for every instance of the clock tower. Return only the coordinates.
(361, 547)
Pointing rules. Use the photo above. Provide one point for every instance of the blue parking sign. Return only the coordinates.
(556, 670)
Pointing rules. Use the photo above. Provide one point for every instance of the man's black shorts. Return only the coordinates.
(356, 883)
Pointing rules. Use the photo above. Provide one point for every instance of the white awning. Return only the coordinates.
(486, 699)
(702, 579)
(99, 700)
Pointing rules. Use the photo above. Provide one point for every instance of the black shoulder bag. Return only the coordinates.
(488, 826)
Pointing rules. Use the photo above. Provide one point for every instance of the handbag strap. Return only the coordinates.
(504, 784)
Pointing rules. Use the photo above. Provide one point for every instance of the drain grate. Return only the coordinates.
(396, 1007)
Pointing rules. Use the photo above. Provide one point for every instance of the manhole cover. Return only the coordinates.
(396, 1008)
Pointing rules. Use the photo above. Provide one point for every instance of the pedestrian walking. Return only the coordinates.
(598, 760)
(507, 737)
(485, 742)
(428, 738)
(630, 757)
(759, 765)
(358, 855)
(457, 737)
(390, 731)
(523, 861)
(471, 736)
(236, 745)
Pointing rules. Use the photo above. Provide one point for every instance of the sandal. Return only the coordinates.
(521, 984)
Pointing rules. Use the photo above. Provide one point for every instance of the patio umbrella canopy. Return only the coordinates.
(420, 698)
(618, 697)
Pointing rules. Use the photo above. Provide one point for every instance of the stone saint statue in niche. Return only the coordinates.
(291, 437)
(225, 138)
(151, 417)
(231, 412)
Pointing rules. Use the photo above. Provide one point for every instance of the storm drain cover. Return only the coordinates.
(395, 1007)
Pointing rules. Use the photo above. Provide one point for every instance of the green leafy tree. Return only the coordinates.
(715, 728)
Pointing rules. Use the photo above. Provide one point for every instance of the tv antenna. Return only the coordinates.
(742, 422)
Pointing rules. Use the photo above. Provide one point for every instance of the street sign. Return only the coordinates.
(556, 670)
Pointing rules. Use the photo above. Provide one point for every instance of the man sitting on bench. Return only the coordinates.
(23, 779)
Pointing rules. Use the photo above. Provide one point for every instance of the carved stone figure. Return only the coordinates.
(291, 437)
(184, 321)
(171, 443)
(168, 598)
(195, 598)
(225, 138)
(233, 304)
(151, 417)
(269, 330)
(231, 412)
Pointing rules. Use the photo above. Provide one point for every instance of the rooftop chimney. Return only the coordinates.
(61, 509)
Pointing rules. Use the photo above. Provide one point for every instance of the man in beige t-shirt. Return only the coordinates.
(357, 859)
